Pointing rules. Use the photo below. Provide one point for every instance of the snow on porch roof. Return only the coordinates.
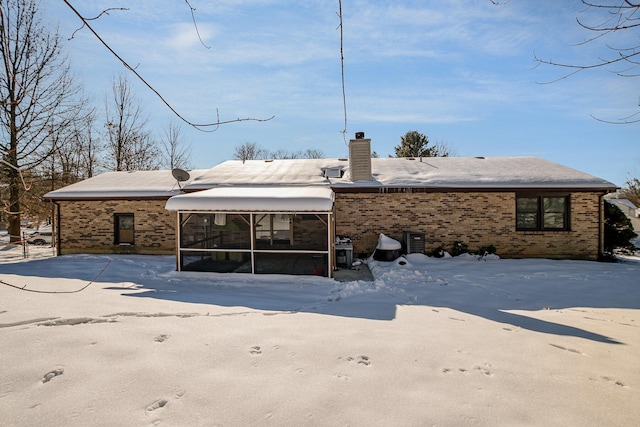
(255, 199)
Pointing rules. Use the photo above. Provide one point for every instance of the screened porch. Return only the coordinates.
(295, 239)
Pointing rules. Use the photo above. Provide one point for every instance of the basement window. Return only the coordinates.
(542, 213)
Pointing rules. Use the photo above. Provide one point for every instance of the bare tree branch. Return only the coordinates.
(207, 127)
(104, 12)
(195, 24)
(623, 16)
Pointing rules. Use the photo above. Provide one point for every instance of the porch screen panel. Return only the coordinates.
(310, 232)
(216, 261)
(273, 231)
(286, 232)
(291, 263)
(215, 231)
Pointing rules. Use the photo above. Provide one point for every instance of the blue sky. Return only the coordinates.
(460, 71)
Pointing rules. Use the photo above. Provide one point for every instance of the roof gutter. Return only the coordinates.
(453, 189)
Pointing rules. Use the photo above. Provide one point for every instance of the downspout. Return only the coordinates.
(57, 216)
(601, 222)
(332, 236)
(601, 225)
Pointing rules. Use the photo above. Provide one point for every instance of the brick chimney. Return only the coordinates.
(360, 158)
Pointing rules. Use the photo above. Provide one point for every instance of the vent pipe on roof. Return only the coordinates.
(360, 158)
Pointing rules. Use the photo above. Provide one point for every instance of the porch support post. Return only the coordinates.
(178, 230)
(331, 244)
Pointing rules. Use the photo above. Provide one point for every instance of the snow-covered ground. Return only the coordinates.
(126, 340)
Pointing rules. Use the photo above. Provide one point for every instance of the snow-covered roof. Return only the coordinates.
(248, 199)
(428, 172)
(623, 202)
(120, 185)
(292, 172)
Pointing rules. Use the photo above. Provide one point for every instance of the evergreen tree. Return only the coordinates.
(618, 230)
(416, 144)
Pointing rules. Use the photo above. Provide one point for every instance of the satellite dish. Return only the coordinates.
(180, 175)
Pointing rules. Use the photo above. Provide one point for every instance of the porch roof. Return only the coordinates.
(255, 199)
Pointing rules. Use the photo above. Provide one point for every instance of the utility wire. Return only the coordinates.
(24, 288)
(344, 95)
(199, 126)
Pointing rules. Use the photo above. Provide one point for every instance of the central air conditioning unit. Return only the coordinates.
(413, 242)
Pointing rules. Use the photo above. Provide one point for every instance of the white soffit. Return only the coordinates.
(255, 199)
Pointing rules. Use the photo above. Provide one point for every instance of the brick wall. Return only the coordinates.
(474, 218)
(88, 227)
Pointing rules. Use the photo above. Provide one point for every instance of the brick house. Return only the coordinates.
(116, 212)
(283, 216)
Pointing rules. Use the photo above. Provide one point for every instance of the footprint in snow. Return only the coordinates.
(160, 403)
(161, 338)
(364, 360)
(51, 375)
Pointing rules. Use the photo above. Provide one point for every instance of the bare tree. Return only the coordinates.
(129, 145)
(252, 151)
(37, 99)
(211, 126)
(89, 144)
(607, 17)
(312, 153)
(283, 153)
(76, 150)
(441, 149)
(631, 191)
(175, 153)
(249, 151)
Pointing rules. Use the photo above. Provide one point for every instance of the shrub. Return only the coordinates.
(459, 248)
(438, 252)
(618, 230)
(484, 250)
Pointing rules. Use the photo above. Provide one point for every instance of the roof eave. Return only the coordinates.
(472, 189)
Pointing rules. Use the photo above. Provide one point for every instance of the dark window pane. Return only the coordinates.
(124, 229)
(527, 221)
(527, 204)
(125, 222)
(554, 212)
(554, 220)
(527, 213)
(554, 204)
